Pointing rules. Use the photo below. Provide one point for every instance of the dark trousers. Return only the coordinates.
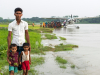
(19, 50)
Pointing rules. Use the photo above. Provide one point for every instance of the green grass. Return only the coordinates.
(39, 29)
(47, 48)
(35, 39)
(3, 63)
(49, 36)
(35, 27)
(67, 47)
(62, 38)
(42, 30)
(37, 60)
(3, 43)
(72, 66)
(3, 25)
(61, 60)
(61, 47)
(41, 50)
(63, 66)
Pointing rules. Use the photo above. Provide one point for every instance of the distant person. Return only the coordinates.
(53, 24)
(46, 24)
(33, 24)
(26, 59)
(59, 24)
(13, 59)
(19, 28)
(64, 22)
(43, 24)
(50, 25)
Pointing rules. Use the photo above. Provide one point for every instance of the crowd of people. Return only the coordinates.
(51, 24)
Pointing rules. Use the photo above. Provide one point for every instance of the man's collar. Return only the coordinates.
(20, 21)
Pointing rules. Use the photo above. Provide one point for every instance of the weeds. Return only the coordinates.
(64, 67)
(62, 38)
(48, 36)
(67, 47)
(61, 62)
(72, 66)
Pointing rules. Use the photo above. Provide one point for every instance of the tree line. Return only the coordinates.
(29, 20)
(90, 20)
(39, 20)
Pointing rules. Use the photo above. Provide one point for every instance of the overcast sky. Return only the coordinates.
(48, 8)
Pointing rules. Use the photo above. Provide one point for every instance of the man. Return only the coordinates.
(33, 24)
(19, 28)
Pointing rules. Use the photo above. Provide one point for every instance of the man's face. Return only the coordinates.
(18, 14)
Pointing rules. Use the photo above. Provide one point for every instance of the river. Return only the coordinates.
(86, 58)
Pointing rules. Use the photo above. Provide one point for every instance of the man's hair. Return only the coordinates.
(18, 9)
(13, 45)
(25, 44)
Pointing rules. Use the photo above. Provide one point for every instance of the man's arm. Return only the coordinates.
(8, 60)
(9, 42)
(27, 38)
(19, 58)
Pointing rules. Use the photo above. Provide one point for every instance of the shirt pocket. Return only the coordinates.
(15, 30)
(22, 29)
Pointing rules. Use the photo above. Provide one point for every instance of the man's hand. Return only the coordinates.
(9, 41)
(20, 63)
(27, 38)
(30, 63)
(29, 48)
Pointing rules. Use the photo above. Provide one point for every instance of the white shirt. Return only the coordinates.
(18, 32)
(25, 57)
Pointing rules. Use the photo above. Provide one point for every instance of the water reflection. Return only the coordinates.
(65, 30)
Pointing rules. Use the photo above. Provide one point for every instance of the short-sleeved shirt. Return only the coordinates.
(13, 58)
(18, 32)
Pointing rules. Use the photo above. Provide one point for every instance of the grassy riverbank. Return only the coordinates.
(36, 47)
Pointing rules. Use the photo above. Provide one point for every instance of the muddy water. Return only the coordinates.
(86, 58)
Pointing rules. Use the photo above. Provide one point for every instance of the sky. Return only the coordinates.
(48, 8)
